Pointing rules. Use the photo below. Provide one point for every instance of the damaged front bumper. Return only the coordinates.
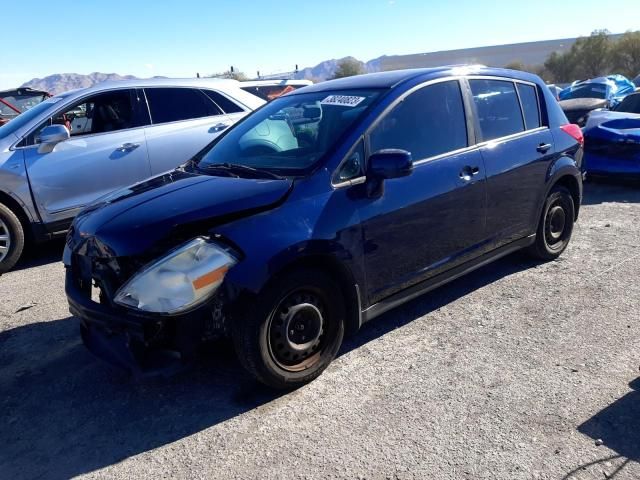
(143, 344)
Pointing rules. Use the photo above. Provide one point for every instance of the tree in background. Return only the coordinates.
(626, 55)
(592, 54)
(348, 67)
(560, 67)
(516, 65)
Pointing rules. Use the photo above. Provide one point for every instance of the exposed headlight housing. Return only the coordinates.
(179, 281)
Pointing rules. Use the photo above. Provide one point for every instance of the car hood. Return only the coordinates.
(168, 209)
(582, 104)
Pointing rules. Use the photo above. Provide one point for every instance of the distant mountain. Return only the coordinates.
(325, 70)
(61, 82)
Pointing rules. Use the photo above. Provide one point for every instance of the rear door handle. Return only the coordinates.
(468, 172)
(544, 147)
(127, 147)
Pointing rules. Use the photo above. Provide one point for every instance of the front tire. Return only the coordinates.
(555, 226)
(293, 331)
(11, 239)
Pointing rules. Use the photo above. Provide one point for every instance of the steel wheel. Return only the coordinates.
(297, 330)
(5, 240)
(555, 230)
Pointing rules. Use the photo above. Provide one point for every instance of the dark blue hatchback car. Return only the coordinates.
(319, 212)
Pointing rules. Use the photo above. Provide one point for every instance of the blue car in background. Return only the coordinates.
(320, 211)
(612, 140)
(584, 96)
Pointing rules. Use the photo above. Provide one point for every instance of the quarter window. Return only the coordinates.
(529, 101)
(427, 123)
(497, 107)
(223, 102)
(174, 104)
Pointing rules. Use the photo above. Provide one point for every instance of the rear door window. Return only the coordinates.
(175, 104)
(429, 122)
(530, 107)
(497, 107)
(223, 102)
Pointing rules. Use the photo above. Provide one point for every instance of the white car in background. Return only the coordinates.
(73, 148)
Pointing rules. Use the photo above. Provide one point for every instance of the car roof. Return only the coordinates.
(231, 87)
(393, 78)
(274, 82)
(220, 83)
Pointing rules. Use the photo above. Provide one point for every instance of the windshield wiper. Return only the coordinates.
(239, 168)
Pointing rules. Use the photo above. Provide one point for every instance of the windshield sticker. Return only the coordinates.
(342, 100)
(53, 100)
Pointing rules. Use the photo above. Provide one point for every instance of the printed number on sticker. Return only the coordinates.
(342, 100)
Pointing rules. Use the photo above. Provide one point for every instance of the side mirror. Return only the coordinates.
(390, 163)
(51, 136)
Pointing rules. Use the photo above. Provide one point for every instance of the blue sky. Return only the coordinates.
(206, 36)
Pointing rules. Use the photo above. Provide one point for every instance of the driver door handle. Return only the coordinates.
(127, 147)
(544, 147)
(468, 172)
(218, 127)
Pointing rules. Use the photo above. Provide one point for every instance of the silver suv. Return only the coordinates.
(73, 148)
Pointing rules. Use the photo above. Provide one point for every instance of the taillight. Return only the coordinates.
(574, 131)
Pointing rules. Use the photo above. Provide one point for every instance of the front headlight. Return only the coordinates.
(181, 280)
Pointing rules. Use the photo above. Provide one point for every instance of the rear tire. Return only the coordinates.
(555, 226)
(11, 239)
(293, 331)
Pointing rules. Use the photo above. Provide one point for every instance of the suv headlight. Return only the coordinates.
(181, 280)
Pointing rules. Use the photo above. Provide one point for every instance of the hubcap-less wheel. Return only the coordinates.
(557, 220)
(556, 225)
(297, 331)
(5, 240)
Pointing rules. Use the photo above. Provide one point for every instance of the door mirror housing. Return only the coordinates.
(51, 136)
(390, 163)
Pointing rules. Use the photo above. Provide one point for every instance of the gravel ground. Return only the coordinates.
(520, 370)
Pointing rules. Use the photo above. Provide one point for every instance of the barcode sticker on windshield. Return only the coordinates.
(342, 100)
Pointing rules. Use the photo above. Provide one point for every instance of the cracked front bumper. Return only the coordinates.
(142, 344)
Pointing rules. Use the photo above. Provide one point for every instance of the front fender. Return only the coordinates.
(325, 225)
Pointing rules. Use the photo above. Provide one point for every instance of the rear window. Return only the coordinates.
(630, 104)
(223, 102)
(530, 107)
(174, 104)
(498, 108)
(270, 92)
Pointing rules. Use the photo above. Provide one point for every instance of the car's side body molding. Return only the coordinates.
(432, 283)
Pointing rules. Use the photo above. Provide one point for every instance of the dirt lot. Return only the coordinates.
(518, 371)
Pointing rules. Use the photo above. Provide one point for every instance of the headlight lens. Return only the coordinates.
(182, 279)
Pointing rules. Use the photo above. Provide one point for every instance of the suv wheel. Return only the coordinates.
(556, 225)
(11, 239)
(293, 331)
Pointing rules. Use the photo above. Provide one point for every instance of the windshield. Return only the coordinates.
(290, 134)
(26, 117)
(22, 102)
(593, 90)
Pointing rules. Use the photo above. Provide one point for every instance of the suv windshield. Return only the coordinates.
(290, 134)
